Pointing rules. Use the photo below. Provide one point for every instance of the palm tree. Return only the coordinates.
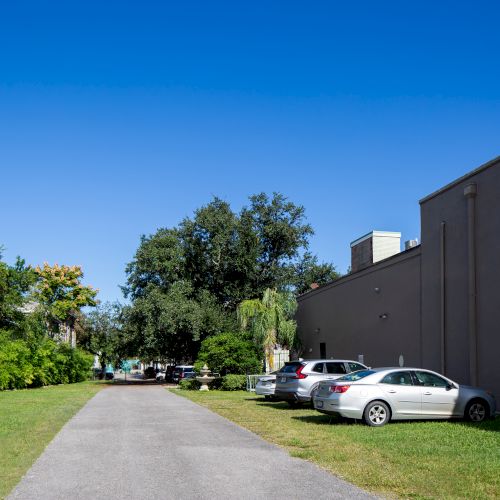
(270, 320)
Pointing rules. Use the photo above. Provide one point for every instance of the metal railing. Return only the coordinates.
(252, 381)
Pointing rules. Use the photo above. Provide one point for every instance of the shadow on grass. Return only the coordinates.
(491, 425)
(279, 405)
(138, 382)
(325, 420)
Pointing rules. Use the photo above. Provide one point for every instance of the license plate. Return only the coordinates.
(283, 380)
(319, 404)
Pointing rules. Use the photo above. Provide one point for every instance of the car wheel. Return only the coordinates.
(314, 391)
(267, 398)
(476, 411)
(376, 414)
(294, 404)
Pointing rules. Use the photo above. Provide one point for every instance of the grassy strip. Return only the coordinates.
(436, 459)
(29, 419)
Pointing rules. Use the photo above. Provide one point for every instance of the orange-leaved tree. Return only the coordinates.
(60, 293)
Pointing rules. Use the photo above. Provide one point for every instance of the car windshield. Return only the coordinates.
(352, 377)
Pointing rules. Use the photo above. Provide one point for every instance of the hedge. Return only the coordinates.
(234, 383)
(226, 383)
(43, 362)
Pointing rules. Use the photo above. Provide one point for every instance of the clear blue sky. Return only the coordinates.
(117, 118)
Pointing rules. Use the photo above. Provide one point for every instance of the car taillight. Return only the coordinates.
(339, 388)
(181, 375)
(299, 374)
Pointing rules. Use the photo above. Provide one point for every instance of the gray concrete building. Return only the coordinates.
(435, 305)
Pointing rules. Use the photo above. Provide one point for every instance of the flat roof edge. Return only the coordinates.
(389, 261)
(383, 234)
(454, 183)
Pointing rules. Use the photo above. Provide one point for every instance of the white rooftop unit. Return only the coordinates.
(374, 247)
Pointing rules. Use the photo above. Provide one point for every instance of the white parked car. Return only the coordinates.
(265, 386)
(379, 395)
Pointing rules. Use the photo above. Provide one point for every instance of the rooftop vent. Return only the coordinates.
(411, 244)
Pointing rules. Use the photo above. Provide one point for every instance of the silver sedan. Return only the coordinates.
(379, 395)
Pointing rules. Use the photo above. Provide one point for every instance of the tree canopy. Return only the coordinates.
(185, 282)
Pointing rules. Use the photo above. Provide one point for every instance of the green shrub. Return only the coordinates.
(216, 383)
(189, 384)
(16, 370)
(45, 369)
(40, 362)
(229, 353)
(234, 383)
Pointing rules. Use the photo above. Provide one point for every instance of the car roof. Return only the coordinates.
(402, 368)
(325, 360)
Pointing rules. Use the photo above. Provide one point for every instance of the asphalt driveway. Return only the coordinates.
(144, 442)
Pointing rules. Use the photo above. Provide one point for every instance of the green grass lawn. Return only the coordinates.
(436, 459)
(29, 419)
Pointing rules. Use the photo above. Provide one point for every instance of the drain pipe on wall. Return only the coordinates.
(470, 193)
(443, 297)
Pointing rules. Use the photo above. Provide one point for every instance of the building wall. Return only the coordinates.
(445, 303)
(425, 293)
(348, 315)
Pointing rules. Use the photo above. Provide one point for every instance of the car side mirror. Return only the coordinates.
(450, 386)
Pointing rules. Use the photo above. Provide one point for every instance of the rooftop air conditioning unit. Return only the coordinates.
(411, 244)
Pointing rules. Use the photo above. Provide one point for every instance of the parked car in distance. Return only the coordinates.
(180, 372)
(169, 373)
(382, 394)
(109, 372)
(297, 381)
(266, 384)
(150, 372)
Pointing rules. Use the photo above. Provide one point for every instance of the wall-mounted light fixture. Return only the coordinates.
(383, 315)
(376, 289)
(317, 330)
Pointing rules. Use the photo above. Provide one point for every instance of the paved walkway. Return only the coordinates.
(142, 442)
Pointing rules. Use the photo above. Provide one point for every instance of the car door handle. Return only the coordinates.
(392, 391)
(427, 393)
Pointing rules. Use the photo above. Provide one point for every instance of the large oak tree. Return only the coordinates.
(185, 282)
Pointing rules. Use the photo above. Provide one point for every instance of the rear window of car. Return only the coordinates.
(290, 367)
(352, 377)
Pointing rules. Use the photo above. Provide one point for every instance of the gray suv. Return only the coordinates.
(298, 381)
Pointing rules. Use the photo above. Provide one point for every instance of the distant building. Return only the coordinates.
(435, 305)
